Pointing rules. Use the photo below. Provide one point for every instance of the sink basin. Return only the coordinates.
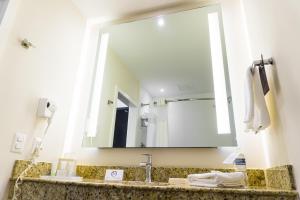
(80, 179)
(133, 183)
(62, 178)
(144, 183)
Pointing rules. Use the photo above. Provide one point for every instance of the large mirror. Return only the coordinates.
(162, 82)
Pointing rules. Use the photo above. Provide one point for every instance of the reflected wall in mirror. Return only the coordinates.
(163, 82)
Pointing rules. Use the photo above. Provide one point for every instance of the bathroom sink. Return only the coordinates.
(142, 183)
(62, 178)
(80, 179)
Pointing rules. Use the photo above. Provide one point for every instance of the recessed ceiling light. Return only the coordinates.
(162, 90)
(160, 21)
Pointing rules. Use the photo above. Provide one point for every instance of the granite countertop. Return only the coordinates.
(158, 186)
(275, 183)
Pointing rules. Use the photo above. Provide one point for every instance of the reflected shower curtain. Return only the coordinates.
(161, 138)
(151, 130)
(157, 133)
(157, 129)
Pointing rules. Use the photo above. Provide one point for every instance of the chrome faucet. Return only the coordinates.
(148, 167)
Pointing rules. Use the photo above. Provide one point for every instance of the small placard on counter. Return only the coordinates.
(114, 175)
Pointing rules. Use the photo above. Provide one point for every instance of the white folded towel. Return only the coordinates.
(256, 112)
(217, 179)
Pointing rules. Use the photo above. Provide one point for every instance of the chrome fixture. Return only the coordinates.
(26, 44)
(110, 102)
(148, 167)
(178, 100)
(261, 63)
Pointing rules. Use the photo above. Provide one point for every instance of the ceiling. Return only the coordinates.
(175, 57)
(105, 10)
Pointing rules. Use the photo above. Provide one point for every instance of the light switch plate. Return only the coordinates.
(18, 143)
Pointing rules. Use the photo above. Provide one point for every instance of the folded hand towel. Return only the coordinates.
(217, 179)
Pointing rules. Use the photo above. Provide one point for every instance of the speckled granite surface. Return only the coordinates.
(256, 177)
(277, 177)
(98, 172)
(36, 189)
(41, 168)
(280, 177)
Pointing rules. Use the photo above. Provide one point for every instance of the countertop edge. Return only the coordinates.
(252, 191)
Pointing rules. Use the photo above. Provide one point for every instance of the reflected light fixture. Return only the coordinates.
(92, 121)
(160, 21)
(218, 74)
(162, 90)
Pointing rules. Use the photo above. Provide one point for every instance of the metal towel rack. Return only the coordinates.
(261, 63)
(177, 100)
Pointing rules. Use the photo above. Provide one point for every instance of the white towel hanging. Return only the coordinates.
(249, 99)
(256, 112)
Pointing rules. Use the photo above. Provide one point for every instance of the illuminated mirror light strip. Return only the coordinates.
(97, 88)
(76, 98)
(218, 74)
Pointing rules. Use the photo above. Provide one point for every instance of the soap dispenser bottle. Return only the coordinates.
(240, 166)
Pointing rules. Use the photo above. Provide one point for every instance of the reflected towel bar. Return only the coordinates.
(178, 100)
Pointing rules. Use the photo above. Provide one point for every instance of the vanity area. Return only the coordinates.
(159, 82)
(268, 184)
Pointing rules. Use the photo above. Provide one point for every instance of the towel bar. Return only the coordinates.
(262, 62)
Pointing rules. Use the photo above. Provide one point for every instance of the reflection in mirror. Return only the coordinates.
(3, 7)
(164, 83)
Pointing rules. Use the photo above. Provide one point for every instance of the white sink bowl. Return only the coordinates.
(62, 178)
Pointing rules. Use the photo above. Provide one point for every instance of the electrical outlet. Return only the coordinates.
(36, 146)
(18, 142)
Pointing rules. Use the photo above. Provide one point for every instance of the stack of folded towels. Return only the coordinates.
(217, 179)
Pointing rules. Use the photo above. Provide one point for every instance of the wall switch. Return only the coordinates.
(18, 143)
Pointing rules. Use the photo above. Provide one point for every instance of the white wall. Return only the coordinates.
(56, 29)
(7, 23)
(274, 30)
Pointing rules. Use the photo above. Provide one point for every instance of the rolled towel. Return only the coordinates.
(217, 179)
